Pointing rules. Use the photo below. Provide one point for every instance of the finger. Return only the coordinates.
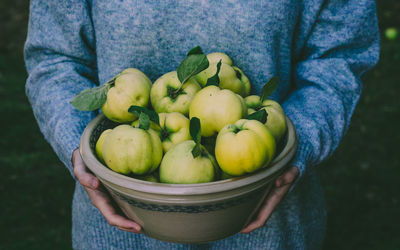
(80, 171)
(266, 210)
(288, 177)
(130, 230)
(104, 204)
(114, 219)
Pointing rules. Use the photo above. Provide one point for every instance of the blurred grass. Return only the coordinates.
(360, 180)
(35, 188)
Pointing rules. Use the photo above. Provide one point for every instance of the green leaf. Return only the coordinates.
(260, 116)
(144, 121)
(195, 129)
(269, 87)
(195, 133)
(214, 80)
(194, 63)
(138, 110)
(91, 99)
(195, 50)
(196, 151)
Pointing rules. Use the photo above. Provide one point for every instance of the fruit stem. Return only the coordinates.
(174, 93)
(203, 151)
(164, 134)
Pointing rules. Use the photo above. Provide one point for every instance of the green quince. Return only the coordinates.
(244, 147)
(174, 129)
(131, 87)
(180, 167)
(216, 108)
(99, 144)
(167, 95)
(276, 120)
(230, 77)
(132, 150)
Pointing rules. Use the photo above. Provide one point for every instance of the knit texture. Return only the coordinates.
(319, 49)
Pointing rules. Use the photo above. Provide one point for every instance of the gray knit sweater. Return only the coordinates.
(318, 48)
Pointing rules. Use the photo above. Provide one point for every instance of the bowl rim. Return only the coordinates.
(103, 172)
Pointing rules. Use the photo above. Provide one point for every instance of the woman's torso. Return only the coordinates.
(154, 36)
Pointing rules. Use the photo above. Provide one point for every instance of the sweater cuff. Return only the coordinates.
(67, 159)
(304, 152)
(68, 137)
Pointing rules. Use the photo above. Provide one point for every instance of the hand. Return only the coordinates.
(99, 196)
(282, 185)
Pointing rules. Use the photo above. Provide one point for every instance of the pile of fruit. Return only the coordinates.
(193, 125)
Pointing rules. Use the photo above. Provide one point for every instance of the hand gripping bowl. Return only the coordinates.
(187, 213)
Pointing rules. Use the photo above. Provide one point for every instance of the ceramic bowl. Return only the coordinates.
(187, 213)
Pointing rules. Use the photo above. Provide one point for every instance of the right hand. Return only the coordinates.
(99, 196)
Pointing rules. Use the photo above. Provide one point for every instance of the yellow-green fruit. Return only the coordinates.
(230, 77)
(218, 56)
(216, 108)
(244, 147)
(276, 120)
(132, 150)
(131, 87)
(179, 167)
(174, 129)
(99, 144)
(244, 107)
(165, 97)
(244, 89)
(252, 102)
(136, 71)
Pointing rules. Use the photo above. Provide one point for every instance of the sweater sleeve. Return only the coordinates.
(60, 60)
(342, 43)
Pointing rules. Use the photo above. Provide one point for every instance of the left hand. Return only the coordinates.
(281, 187)
(100, 197)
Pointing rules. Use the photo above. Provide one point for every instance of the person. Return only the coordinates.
(319, 49)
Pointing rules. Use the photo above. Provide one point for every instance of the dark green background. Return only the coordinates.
(361, 180)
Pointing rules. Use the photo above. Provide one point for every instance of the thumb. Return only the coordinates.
(82, 174)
